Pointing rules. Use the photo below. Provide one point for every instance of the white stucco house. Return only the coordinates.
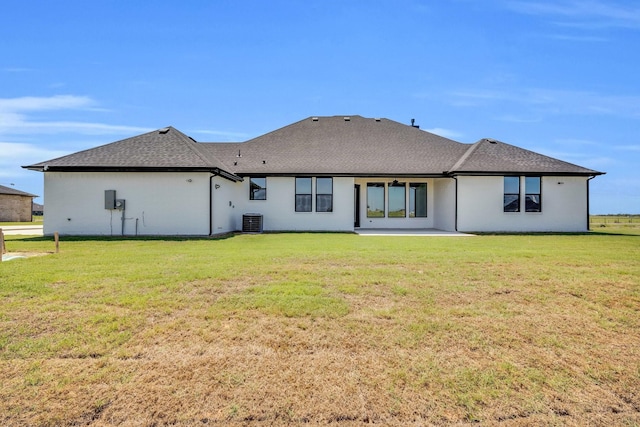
(319, 174)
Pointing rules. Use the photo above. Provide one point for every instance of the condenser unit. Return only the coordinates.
(252, 223)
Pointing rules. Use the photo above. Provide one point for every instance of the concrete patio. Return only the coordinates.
(428, 232)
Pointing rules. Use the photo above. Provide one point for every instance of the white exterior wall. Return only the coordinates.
(444, 196)
(162, 203)
(480, 205)
(226, 196)
(278, 211)
(176, 203)
(387, 222)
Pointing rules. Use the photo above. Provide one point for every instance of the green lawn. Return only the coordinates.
(37, 220)
(614, 222)
(318, 328)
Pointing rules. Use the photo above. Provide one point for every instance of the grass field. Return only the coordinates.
(281, 329)
(614, 221)
(37, 220)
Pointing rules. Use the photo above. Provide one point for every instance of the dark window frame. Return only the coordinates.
(414, 208)
(505, 194)
(528, 196)
(376, 185)
(396, 184)
(330, 195)
(253, 191)
(309, 195)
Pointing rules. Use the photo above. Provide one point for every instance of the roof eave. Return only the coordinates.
(343, 174)
(217, 171)
(523, 173)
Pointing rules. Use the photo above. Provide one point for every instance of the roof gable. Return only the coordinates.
(491, 156)
(13, 192)
(163, 148)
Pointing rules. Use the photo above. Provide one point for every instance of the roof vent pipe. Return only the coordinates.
(413, 125)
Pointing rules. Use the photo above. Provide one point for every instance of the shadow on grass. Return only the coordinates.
(70, 238)
(225, 236)
(73, 238)
(554, 233)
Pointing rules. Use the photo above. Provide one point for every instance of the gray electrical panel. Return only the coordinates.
(109, 199)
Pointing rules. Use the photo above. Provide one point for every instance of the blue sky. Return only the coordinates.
(558, 77)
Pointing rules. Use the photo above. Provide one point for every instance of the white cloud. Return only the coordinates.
(572, 38)
(15, 154)
(511, 118)
(225, 135)
(34, 103)
(551, 101)
(446, 133)
(22, 126)
(588, 160)
(15, 69)
(573, 142)
(14, 118)
(587, 14)
(628, 147)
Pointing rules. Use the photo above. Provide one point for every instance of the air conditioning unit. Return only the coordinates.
(252, 223)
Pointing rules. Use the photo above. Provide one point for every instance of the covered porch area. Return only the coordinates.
(422, 232)
(390, 205)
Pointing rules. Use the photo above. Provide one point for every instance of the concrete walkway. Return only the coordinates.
(429, 232)
(27, 230)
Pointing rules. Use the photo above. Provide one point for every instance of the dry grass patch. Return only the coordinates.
(323, 329)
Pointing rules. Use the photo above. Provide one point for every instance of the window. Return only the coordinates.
(303, 194)
(375, 200)
(258, 188)
(418, 200)
(532, 194)
(397, 200)
(511, 201)
(324, 194)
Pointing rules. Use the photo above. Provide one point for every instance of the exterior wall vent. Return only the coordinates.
(252, 223)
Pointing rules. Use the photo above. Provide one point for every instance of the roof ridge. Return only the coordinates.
(465, 156)
(196, 146)
(200, 146)
(278, 129)
(190, 143)
(301, 121)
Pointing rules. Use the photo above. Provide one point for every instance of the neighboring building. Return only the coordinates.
(322, 174)
(15, 205)
(37, 209)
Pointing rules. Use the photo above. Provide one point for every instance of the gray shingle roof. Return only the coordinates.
(14, 192)
(163, 148)
(491, 156)
(336, 145)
